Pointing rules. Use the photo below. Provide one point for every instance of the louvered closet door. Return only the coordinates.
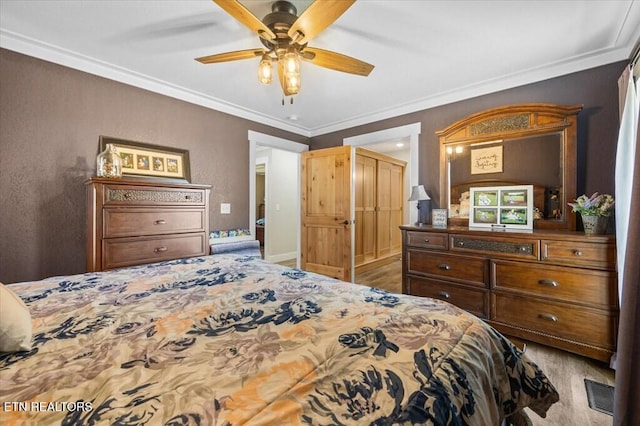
(365, 209)
(390, 199)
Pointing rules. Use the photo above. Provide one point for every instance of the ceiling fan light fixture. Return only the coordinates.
(291, 61)
(265, 70)
(285, 36)
(292, 83)
(291, 70)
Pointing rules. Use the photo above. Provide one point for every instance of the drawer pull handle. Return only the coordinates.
(444, 266)
(444, 294)
(160, 222)
(127, 195)
(460, 243)
(187, 197)
(426, 240)
(160, 249)
(577, 252)
(523, 249)
(549, 317)
(550, 283)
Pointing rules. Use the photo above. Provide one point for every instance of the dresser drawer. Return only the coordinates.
(120, 252)
(580, 253)
(577, 323)
(470, 299)
(429, 240)
(468, 270)
(139, 221)
(582, 286)
(141, 195)
(521, 248)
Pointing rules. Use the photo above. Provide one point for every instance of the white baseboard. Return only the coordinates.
(282, 257)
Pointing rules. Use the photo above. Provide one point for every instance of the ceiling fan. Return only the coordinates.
(285, 36)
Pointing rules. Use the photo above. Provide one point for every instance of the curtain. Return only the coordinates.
(627, 194)
(625, 158)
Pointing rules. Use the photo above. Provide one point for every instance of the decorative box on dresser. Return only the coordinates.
(553, 287)
(134, 222)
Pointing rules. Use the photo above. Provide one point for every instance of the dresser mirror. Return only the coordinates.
(526, 144)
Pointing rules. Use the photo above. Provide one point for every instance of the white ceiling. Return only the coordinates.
(426, 53)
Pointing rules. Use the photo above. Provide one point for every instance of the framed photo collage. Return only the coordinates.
(501, 207)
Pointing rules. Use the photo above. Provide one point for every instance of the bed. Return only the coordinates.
(230, 339)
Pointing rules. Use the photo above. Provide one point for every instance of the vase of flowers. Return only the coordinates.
(595, 212)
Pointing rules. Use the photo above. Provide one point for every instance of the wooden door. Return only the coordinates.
(390, 202)
(365, 209)
(326, 212)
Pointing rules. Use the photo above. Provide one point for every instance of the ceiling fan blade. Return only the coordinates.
(281, 78)
(336, 61)
(318, 16)
(231, 56)
(242, 14)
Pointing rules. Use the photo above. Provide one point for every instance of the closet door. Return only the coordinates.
(390, 200)
(365, 209)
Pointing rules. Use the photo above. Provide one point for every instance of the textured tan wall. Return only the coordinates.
(50, 120)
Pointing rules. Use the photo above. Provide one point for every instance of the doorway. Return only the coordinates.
(280, 160)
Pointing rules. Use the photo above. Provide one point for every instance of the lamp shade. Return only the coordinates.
(418, 193)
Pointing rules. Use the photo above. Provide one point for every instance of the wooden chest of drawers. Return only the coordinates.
(133, 222)
(552, 287)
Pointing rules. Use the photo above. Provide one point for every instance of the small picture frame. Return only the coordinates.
(439, 218)
(502, 207)
(150, 161)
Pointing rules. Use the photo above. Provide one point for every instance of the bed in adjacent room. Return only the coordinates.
(230, 339)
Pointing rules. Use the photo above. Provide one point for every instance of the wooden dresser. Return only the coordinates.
(557, 288)
(133, 222)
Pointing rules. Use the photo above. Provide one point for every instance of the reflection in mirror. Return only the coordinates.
(535, 160)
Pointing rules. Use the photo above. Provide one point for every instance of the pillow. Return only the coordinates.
(464, 208)
(15, 322)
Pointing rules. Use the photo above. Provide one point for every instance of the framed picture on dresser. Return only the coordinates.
(439, 218)
(502, 207)
(153, 161)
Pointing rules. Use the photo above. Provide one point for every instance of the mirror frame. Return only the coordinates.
(518, 121)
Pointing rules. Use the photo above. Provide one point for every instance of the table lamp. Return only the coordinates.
(419, 194)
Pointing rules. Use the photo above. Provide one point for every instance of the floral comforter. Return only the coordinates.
(230, 340)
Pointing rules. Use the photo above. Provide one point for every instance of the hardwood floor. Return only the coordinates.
(567, 373)
(387, 277)
(565, 370)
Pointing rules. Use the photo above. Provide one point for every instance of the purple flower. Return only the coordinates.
(596, 205)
